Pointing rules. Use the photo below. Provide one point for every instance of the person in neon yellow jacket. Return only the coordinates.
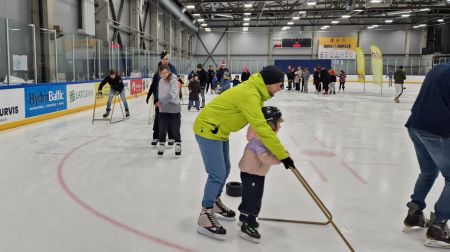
(230, 112)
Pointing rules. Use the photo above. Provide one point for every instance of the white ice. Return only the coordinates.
(114, 194)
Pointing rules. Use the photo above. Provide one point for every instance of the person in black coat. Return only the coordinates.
(115, 82)
(325, 78)
(203, 79)
(245, 75)
(316, 79)
(211, 74)
(154, 91)
(194, 91)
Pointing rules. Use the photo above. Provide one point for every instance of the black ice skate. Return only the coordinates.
(161, 149)
(223, 212)
(154, 142)
(127, 113)
(438, 234)
(106, 114)
(249, 233)
(170, 143)
(415, 220)
(209, 226)
(178, 149)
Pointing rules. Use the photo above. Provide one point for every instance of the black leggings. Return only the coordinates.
(342, 84)
(252, 193)
(170, 124)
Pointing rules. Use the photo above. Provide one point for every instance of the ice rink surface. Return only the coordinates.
(68, 185)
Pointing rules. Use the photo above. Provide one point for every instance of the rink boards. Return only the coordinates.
(30, 103)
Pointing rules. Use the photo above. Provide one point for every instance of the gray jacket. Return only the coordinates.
(168, 94)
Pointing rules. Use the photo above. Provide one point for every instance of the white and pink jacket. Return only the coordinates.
(257, 159)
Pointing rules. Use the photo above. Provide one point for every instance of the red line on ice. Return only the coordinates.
(321, 175)
(104, 217)
(352, 171)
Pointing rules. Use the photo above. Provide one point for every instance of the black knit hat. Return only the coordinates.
(199, 66)
(272, 75)
(163, 54)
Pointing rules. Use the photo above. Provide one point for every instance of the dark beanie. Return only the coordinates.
(199, 66)
(163, 54)
(272, 75)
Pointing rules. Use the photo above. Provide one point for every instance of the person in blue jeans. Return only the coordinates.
(429, 129)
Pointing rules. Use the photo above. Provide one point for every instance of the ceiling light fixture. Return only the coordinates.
(248, 5)
(190, 6)
(245, 24)
(440, 20)
(207, 29)
(196, 15)
(425, 9)
(422, 25)
(204, 25)
(302, 12)
(388, 21)
(375, 1)
(201, 20)
(335, 22)
(346, 16)
(370, 27)
(284, 28)
(246, 19)
(244, 28)
(358, 10)
(290, 23)
(405, 15)
(312, 3)
(296, 18)
(247, 14)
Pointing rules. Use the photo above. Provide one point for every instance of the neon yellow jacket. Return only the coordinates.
(234, 109)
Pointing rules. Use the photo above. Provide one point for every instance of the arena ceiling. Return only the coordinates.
(209, 14)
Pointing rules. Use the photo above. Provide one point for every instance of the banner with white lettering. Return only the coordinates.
(12, 106)
(80, 95)
(40, 100)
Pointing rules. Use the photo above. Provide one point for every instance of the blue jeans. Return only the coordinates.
(122, 97)
(196, 104)
(216, 158)
(433, 155)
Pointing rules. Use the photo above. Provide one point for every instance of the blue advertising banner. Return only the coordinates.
(42, 100)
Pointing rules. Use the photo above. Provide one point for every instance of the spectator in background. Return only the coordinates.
(333, 80)
(225, 84)
(116, 87)
(211, 73)
(213, 83)
(342, 78)
(236, 81)
(245, 75)
(305, 79)
(194, 91)
(325, 79)
(203, 78)
(297, 78)
(399, 78)
(290, 77)
(390, 75)
(316, 79)
(191, 75)
(220, 72)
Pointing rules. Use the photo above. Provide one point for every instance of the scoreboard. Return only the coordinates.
(293, 43)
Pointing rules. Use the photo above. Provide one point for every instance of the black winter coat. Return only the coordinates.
(116, 83)
(203, 78)
(194, 90)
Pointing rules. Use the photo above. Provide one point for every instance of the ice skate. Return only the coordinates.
(178, 149)
(415, 220)
(209, 226)
(154, 142)
(438, 234)
(106, 114)
(161, 149)
(223, 212)
(127, 113)
(249, 233)
(170, 143)
(397, 100)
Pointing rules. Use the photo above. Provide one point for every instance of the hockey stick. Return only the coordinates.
(319, 203)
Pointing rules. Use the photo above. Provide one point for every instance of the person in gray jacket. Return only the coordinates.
(169, 109)
(305, 79)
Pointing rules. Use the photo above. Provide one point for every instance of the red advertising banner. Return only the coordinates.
(136, 87)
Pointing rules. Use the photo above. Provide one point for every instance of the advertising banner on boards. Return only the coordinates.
(40, 100)
(12, 106)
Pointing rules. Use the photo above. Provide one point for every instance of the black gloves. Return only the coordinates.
(288, 163)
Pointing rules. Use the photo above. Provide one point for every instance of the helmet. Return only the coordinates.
(272, 115)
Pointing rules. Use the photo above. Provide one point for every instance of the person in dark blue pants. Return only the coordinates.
(429, 129)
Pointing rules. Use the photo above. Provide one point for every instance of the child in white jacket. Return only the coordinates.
(254, 165)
